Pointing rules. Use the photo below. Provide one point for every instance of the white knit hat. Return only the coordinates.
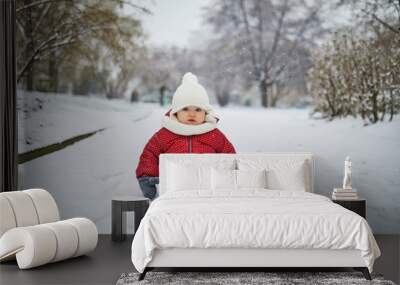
(190, 93)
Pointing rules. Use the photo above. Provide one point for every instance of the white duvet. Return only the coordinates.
(252, 218)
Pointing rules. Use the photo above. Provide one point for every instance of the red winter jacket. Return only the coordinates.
(165, 141)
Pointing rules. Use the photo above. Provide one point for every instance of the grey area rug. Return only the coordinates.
(225, 278)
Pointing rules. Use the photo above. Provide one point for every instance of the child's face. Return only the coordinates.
(191, 115)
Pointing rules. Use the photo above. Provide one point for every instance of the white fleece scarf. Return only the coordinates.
(172, 124)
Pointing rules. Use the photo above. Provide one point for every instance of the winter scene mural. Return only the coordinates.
(96, 79)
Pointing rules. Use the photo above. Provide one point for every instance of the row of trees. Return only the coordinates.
(351, 75)
(358, 73)
(88, 46)
(258, 47)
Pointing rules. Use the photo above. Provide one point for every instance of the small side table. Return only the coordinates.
(358, 206)
(119, 206)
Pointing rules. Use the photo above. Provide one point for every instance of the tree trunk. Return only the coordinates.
(264, 93)
(375, 108)
(29, 46)
(392, 102)
(276, 90)
(223, 98)
(53, 72)
(162, 94)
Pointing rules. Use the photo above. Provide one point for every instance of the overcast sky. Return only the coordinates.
(173, 21)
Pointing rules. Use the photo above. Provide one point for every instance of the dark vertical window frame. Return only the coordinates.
(8, 110)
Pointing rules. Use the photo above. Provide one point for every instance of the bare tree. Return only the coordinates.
(266, 34)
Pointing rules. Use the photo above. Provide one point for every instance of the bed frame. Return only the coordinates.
(241, 259)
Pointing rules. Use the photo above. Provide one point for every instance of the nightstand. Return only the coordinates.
(122, 204)
(358, 206)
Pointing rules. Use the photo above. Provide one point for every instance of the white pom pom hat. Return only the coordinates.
(190, 93)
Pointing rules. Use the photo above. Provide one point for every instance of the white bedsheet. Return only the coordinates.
(251, 218)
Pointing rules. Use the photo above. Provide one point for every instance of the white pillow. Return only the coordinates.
(289, 179)
(237, 179)
(282, 174)
(183, 177)
(251, 178)
(185, 172)
(223, 179)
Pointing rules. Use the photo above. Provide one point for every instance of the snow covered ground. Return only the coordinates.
(84, 176)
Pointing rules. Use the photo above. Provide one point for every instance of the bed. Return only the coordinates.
(248, 210)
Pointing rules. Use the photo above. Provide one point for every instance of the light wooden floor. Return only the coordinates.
(110, 260)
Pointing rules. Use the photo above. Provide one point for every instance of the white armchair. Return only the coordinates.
(32, 233)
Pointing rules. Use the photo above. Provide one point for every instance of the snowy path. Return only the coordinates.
(50, 118)
(45, 150)
(84, 176)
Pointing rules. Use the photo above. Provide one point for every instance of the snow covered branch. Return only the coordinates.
(393, 29)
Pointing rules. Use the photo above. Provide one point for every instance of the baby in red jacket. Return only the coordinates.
(189, 127)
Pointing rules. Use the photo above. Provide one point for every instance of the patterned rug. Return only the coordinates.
(229, 278)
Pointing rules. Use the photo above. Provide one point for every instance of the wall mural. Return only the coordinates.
(97, 78)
